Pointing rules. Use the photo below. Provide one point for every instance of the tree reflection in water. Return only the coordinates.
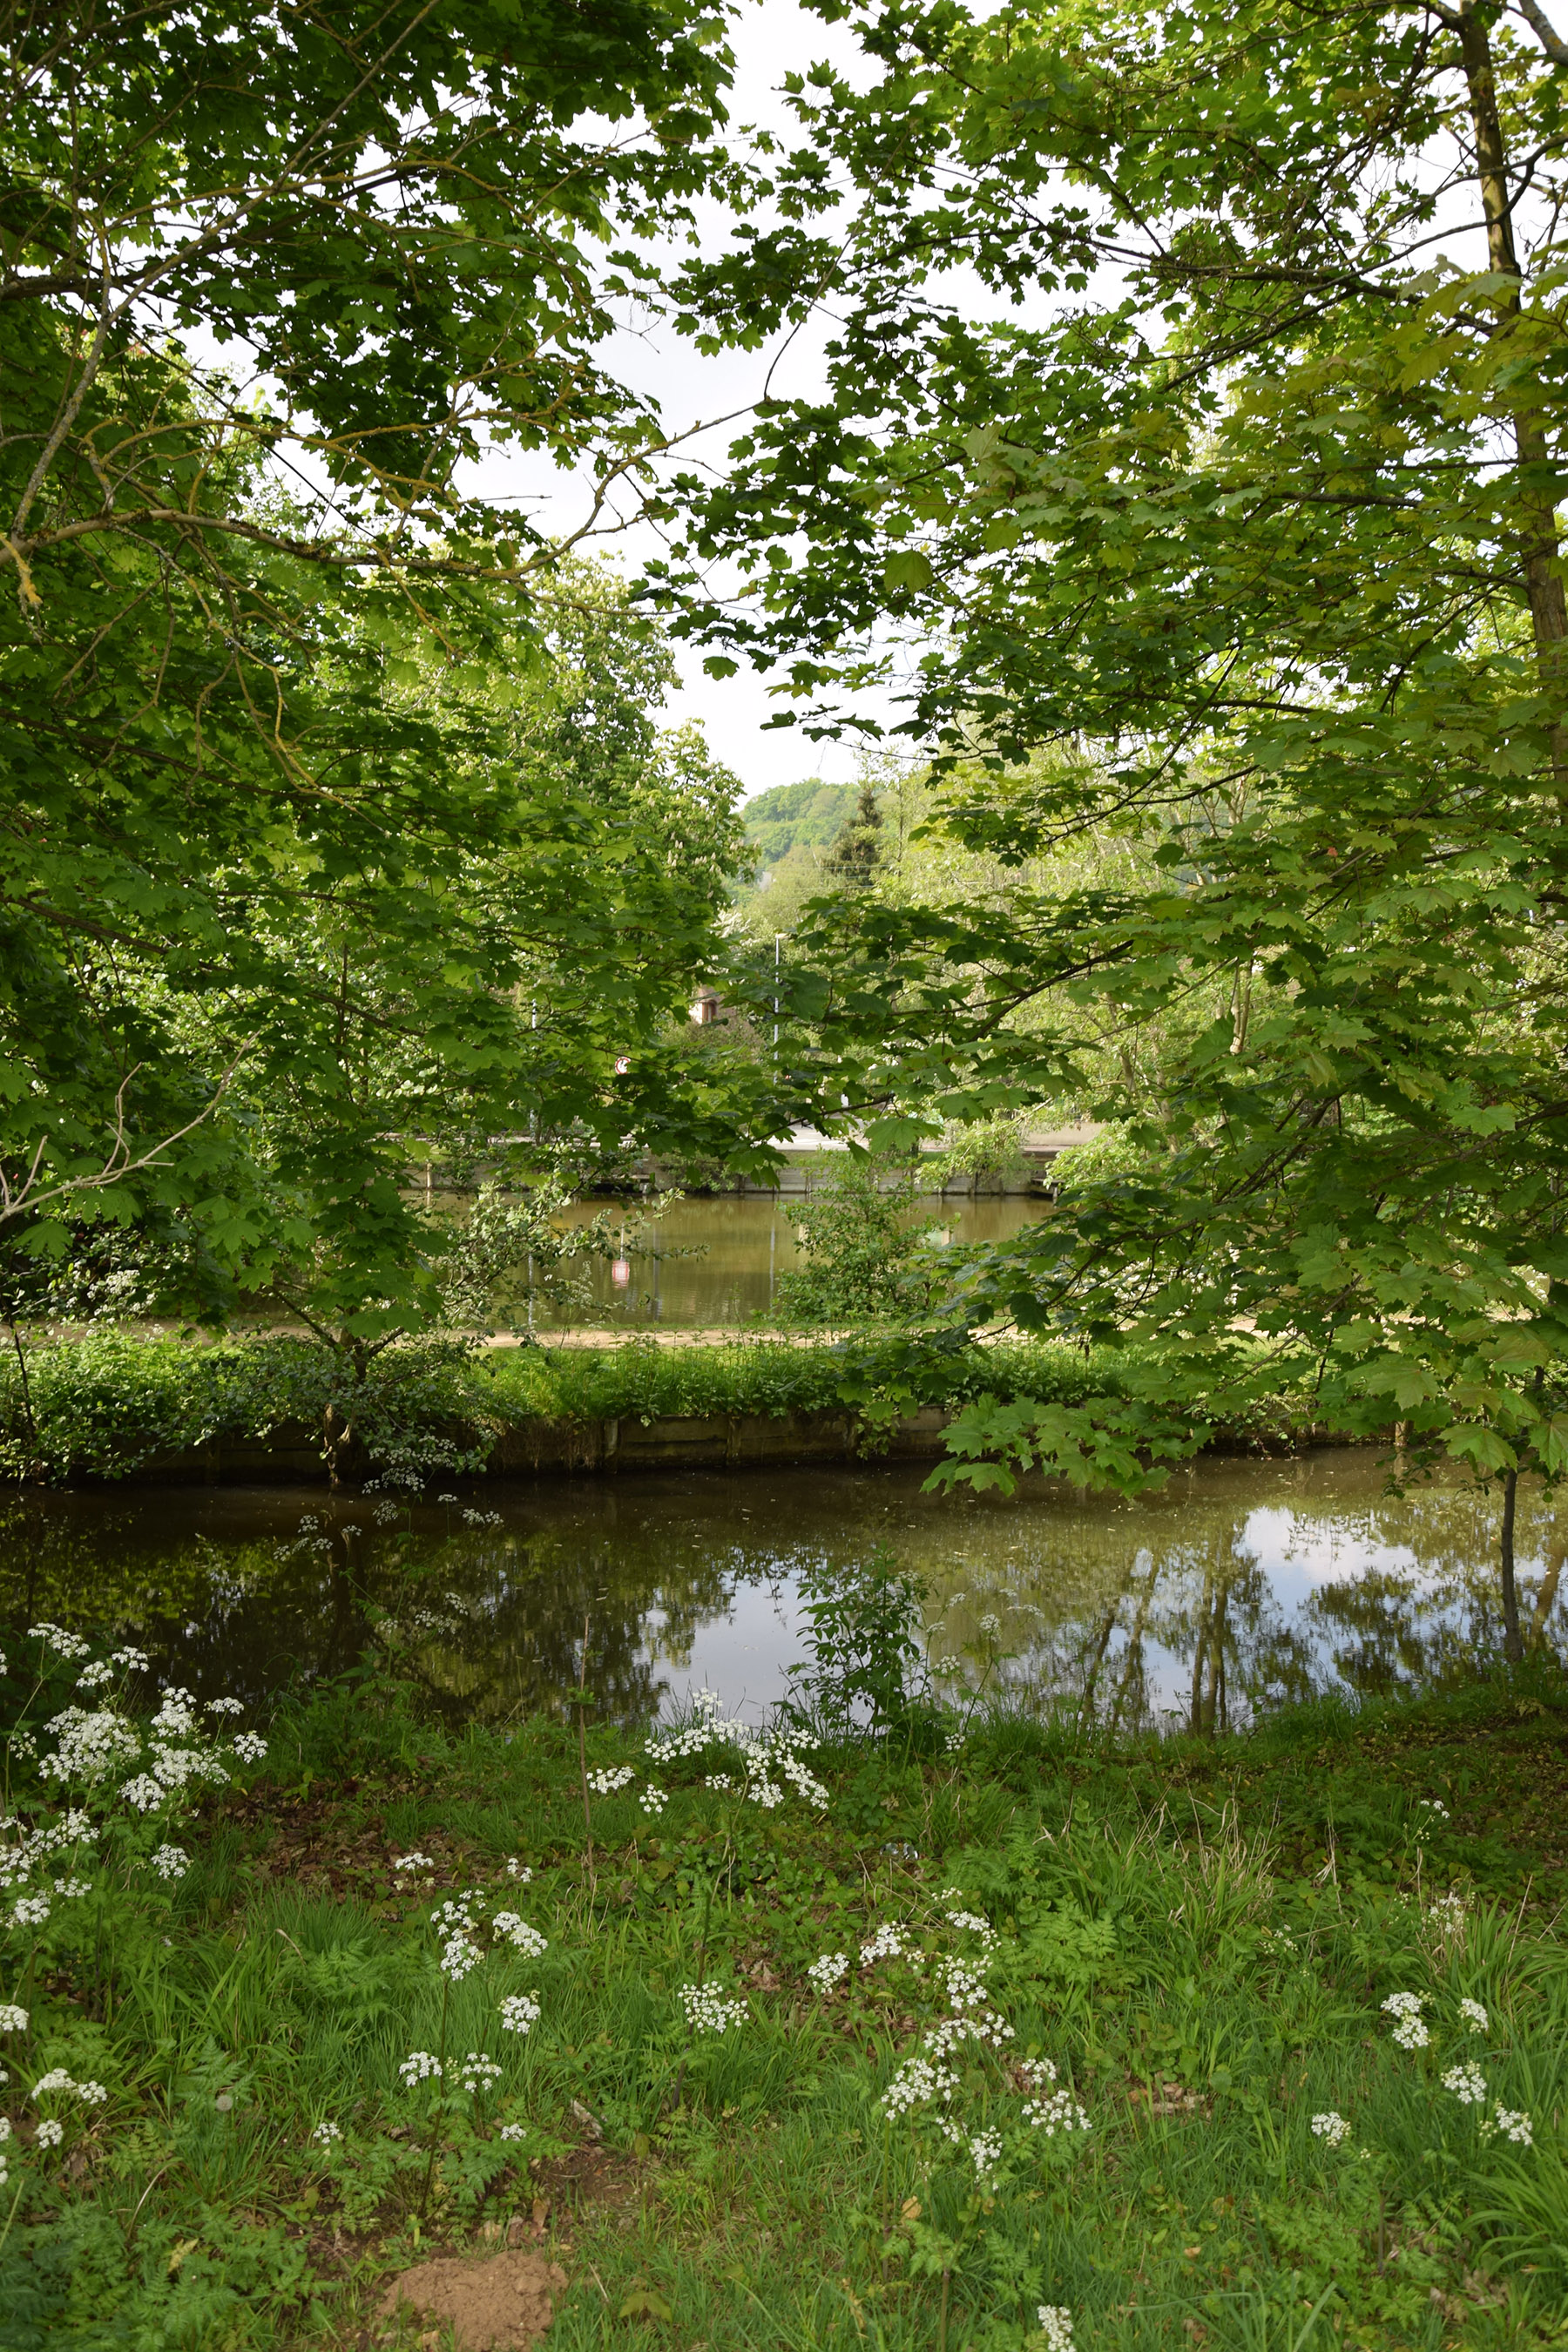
(1242, 1585)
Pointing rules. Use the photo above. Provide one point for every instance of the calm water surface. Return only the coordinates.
(714, 1263)
(1241, 1584)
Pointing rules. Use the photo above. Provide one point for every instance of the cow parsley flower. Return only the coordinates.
(93, 1677)
(653, 1799)
(420, 2066)
(64, 1644)
(1056, 2326)
(607, 1783)
(30, 1911)
(326, 2133)
(518, 1932)
(457, 1956)
(918, 2083)
(1331, 2127)
(887, 1944)
(1512, 2123)
(13, 2020)
(707, 2011)
(143, 1792)
(514, 2131)
(1057, 2111)
(90, 1746)
(170, 1860)
(478, 2072)
(518, 1870)
(225, 1706)
(1409, 2028)
(414, 1862)
(985, 2154)
(249, 1748)
(50, 2132)
(1474, 2015)
(134, 1661)
(721, 1782)
(519, 2012)
(1467, 2083)
(827, 1969)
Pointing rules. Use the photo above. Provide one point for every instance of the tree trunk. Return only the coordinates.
(1538, 545)
(1512, 1644)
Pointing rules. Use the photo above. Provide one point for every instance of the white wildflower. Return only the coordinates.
(918, 2083)
(1331, 2128)
(985, 2153)
(225, 1706)
(326, 2133)
(721, 1782)
(177, 1714)
(93, 1677)
(518, 1870)
(31, 1911)
(653, 1799)
(12, 2019)
(826, 1970)
(134, 1661)
(612, 1778)
(518, 1932)
(249, 1748)
(519, 2012)
(514, 2131)
(1512, 2123)
(71, 1890)
(90, 1746)
(414, 1862)
(64, 1644)
(1409, 2029)
(50, 2132)
(887, 1944)
(457, 1956)
(419, 2066)
(1474, 2015)
(478, 2072)
(143, 1792)
(1057, 2111)
(707, 2011)
(170, 1860)
(1056, 2326)
(1467, 2083)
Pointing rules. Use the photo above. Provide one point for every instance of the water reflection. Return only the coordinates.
(1242, 1585)
(727, 1254)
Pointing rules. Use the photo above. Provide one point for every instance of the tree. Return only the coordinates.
(1231, 522)
(269, 286)
(853, 860)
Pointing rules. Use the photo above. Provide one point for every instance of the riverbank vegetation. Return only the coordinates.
(111, 1403)
(918, 2026)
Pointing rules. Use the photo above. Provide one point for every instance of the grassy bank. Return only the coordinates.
(1138, 1982)
(107, 1405)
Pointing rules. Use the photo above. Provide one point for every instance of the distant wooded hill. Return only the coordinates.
(797, 816)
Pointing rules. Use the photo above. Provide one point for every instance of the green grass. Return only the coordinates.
(1199, 1935)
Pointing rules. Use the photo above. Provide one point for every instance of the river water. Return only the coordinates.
(1241, 1584)
(715, 1263)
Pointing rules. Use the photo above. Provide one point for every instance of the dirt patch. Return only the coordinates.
(588, 2176)
(503, 2305)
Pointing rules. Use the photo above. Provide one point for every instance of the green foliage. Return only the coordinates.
(1199, 1941)
(792, 815)
(335, 825)
(864, 1259)
(862, 1625)
(1215, 523)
